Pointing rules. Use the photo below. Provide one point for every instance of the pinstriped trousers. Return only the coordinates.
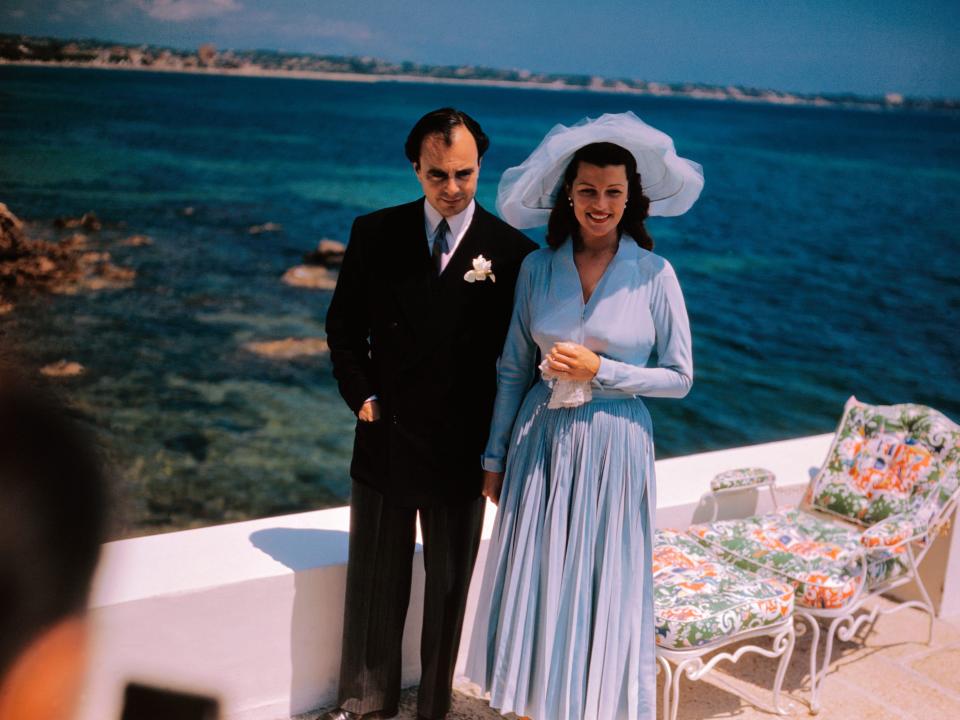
(379, 571)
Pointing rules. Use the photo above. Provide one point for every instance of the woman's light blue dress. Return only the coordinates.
(564, 627)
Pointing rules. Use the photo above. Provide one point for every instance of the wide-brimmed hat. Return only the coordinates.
(527, 192)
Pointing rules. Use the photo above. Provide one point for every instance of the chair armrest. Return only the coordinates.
(742, 478)
(893, 531)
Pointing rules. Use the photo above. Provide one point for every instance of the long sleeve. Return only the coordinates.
(673, 375)
(515, 372)
(348, 328)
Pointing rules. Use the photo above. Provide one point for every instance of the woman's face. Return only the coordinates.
(599, 197)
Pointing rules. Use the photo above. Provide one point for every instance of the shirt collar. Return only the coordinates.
(458, 223)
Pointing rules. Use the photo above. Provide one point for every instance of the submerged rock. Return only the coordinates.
(137, 241)
(63, 369)
(310, 276)
(74, 242)
(87, 221)
(95, 272)
(38, 267)
(329, 253)
(288, 349)
(107, 276)
(5, 307)
(265, 228)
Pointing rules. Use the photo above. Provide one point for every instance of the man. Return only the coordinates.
(52, 517)
(415, 327)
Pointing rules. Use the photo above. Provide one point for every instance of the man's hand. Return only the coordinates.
(370, 411)
(492, 482)
(571, 361)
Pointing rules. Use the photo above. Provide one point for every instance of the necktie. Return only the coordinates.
(439, 244)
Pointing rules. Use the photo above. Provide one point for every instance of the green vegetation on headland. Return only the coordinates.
(96, 53)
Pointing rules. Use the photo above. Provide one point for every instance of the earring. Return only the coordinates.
(570, 200)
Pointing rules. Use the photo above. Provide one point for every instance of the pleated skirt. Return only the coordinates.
(564, 626)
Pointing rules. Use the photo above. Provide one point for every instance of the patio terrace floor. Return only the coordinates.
(889, 673)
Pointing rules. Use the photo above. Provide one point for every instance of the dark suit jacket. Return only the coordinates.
(426, 346)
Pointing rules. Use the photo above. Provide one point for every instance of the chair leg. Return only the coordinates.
(675, 690)
(785, 658)
(817, 681)
(667, 687)
(927, 602)
(814, 674)
(828, 648)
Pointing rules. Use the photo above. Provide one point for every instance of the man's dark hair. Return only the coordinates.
(443, 121)
(53, 499)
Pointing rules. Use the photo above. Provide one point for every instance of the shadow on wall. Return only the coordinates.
(301, 549)
(318, 559)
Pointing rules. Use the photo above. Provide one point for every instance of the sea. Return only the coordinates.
(821, 261)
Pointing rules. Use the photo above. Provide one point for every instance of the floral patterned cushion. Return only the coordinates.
(889, 532)
(819, 558)
(742, 478)
(882, 475)
(698, 598)
(887, 460)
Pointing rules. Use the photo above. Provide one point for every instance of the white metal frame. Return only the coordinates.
(690, 662)
(844, 622)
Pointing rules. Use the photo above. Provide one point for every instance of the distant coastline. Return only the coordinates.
(44, 51)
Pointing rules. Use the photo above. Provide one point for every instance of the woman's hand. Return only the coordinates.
(492, 483)
(370, 411)
(571, 361)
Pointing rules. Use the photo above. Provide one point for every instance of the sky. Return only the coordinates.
(867, 47)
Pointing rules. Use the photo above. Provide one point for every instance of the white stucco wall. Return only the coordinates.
(251, 612)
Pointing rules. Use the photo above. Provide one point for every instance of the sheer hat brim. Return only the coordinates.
(527, 192)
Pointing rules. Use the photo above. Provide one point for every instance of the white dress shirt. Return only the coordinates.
(459, 224)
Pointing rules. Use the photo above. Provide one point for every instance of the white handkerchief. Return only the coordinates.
(566, 393)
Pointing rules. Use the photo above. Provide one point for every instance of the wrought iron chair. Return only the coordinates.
(887, 489)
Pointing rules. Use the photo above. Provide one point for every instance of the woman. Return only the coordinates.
(564, 627)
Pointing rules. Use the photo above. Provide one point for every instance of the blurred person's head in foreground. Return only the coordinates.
(52, 521)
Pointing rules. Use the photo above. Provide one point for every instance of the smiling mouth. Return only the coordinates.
(599, 217)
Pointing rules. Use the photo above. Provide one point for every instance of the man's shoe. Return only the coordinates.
(341, 714)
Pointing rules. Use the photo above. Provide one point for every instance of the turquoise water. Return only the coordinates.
(821, 261)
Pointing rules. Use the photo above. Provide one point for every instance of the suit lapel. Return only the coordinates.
(411, 265)
(452, 286)
(467, 250)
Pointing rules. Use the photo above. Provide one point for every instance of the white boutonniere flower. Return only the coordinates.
(482, 269)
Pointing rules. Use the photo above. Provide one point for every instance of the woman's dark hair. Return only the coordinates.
(563, 223)
(443, 121)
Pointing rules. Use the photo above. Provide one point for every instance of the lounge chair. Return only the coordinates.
(887, 488)
(702, 604)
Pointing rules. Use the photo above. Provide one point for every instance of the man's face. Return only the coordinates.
(448, 174)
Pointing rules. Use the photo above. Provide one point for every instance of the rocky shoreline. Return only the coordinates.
(64, 262)
(69, 256)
